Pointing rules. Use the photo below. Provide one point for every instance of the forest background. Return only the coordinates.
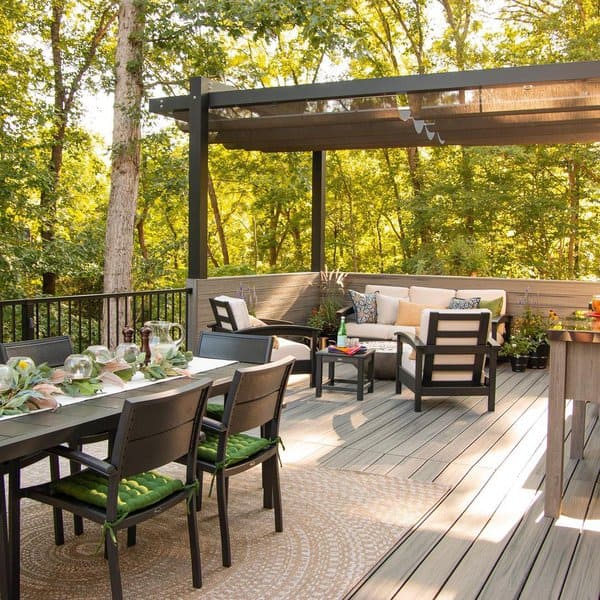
(513, 211)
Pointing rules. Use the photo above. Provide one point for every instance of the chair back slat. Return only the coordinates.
(159, 428)
(236, 346)
(256, 396)
(51, 350)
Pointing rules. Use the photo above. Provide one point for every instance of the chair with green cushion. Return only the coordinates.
(124, 490)
(253, 402)
(255, 349)
(53, 351)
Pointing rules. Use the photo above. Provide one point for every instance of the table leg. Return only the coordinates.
(556, 430)
(4, 547)
(360, 380)
(331, 380)
(578, 429)
(14, 532)
(318, 376)
(371, 373)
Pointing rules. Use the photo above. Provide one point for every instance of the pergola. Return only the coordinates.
(542, 104)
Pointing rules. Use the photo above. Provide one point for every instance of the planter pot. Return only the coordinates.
(519, 363)
(538, 359)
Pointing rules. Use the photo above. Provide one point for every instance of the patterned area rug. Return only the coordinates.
(337, 525)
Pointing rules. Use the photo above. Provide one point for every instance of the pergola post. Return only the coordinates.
(198, 179)
(319, 194)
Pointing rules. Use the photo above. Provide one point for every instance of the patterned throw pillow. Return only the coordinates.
(464, 303)
(365, 306)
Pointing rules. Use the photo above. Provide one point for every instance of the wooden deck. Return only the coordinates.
(488, 538)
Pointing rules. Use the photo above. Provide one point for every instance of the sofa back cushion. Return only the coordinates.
(387, 309)
(436, 297)
(388, 290)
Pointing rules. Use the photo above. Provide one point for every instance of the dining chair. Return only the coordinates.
(453, 355)
(154, 430)
(254, 401)
(53, 351)
(301, 341)
(50, 350)
(254, 349)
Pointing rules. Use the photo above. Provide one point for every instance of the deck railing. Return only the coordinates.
(92, 318)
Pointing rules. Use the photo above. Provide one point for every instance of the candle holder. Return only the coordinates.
(78, 367)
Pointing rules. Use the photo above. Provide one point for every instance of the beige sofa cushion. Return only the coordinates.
(375, 331)
(395, 291)
(436, 297)
(387, 308)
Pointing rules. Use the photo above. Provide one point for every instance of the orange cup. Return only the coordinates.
(596, 303)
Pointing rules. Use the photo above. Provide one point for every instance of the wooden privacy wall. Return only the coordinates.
(562, 296)
(289, 296)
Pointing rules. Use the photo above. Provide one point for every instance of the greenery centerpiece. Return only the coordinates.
(25, 387)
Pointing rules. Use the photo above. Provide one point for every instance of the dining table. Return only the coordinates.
(574, 375)
(31, 433)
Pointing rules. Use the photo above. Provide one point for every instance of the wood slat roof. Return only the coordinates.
(558, 103)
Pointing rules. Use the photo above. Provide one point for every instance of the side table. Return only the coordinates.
(364, 378)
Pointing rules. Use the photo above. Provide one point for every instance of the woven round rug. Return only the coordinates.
(337, 525)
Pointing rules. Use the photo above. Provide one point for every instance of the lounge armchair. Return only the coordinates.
(300, 341)
(449, 357)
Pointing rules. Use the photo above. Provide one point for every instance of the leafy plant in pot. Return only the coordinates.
(517, 349)
(534, 326)
(324, 316)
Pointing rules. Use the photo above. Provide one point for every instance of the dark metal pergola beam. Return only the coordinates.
(540, 104)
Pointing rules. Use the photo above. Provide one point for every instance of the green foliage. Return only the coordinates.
(492, 211)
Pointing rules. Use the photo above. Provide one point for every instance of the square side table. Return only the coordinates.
(364, 378)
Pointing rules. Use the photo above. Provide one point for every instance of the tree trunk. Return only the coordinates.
(212, 194)
(118, 253)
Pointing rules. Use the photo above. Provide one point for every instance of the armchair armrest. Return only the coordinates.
(101, 466)
(507, 320)
(275, 321)
(303, 331)
(212, 425)
(345, 311)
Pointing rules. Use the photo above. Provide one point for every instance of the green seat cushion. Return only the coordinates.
(214, 411)
(135, 492)
(239, 447)
(494, 306)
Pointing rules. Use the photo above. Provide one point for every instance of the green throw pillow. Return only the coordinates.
(135, 492)
(495, 306)
(239, 447)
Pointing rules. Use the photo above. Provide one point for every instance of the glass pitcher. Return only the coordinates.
(161, 334)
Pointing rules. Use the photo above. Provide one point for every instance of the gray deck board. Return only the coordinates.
(488, 538)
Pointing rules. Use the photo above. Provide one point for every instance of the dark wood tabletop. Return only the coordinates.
(38, 430)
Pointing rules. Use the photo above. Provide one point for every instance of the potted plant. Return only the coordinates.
(517, 349)
(324, 317)
(534, 326)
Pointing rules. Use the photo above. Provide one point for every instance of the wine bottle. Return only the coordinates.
(342, 338)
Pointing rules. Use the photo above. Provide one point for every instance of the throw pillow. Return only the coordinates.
(409, 313)
(365, 306)
(464, 303)
(387, 309)
(494, 306)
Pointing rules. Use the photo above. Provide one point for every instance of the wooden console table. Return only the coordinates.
(575, 375)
